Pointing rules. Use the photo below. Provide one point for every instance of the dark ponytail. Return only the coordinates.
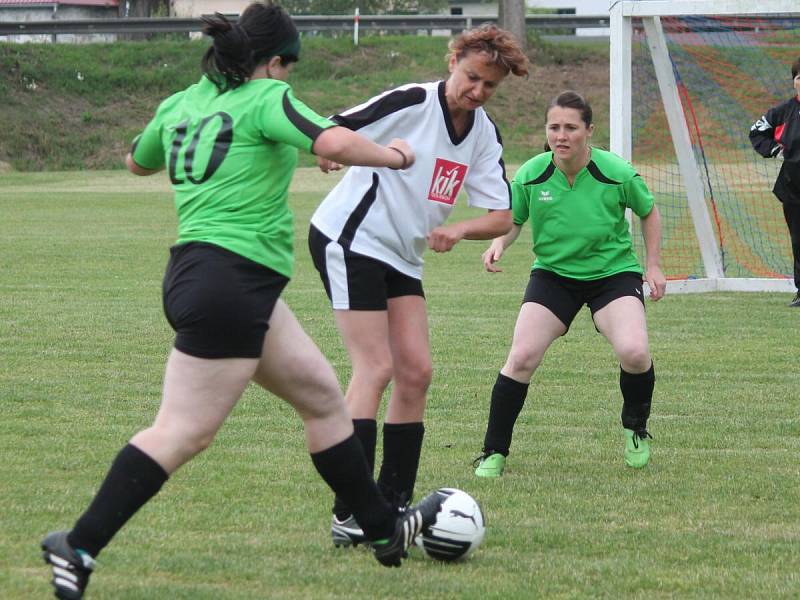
(262, 31)
(228, 62)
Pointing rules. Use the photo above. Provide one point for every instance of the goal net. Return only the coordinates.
(688, 79)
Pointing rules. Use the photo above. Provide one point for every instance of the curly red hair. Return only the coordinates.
(501, 46)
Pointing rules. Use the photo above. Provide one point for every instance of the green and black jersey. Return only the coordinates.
(580, 231)
(230, 159)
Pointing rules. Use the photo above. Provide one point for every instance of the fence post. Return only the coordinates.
(356, 19)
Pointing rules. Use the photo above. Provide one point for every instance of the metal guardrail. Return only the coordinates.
(306, 23)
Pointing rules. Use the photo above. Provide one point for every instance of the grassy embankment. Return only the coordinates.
(68, 107)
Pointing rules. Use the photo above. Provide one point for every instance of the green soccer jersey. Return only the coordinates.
(580, 231)
(230, 159)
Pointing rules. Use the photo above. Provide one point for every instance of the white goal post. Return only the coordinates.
(726, 183)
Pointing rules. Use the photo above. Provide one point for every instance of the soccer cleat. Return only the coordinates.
(796, 302)
(71, 567)
(346, 532)
(409, 525)
(490, 465)
(637, 448)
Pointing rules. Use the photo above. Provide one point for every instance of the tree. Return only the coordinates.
(145, 8)
(511, 17)
(142, 8)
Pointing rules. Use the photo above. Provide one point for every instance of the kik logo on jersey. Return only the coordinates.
(447, 179)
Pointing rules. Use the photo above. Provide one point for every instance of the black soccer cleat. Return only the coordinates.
(408, 526)
(796, 302)
(71, 568)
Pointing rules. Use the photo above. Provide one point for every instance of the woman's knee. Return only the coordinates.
(181, 441)
(634, 356)
(523, 362)
(199, 442)
(416, 376)
(376, 373)
(319, 396)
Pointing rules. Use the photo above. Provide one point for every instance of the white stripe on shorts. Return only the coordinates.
(336, 270)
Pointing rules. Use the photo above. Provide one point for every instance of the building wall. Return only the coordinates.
(198, 8)
(475, 9)
(15, 14)
(581, 7)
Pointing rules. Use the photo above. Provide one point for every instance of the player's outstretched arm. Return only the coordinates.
(488, 226)
(345, 147)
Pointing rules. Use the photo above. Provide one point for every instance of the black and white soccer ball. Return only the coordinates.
(458, 530)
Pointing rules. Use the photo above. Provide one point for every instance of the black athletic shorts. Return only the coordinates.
(565, 296)
(354, 281)
(218, 302)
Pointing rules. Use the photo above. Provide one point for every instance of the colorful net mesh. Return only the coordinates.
(729, 71)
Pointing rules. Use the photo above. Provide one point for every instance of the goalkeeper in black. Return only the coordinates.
(777, 134)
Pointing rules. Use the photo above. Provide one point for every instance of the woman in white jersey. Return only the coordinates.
(223, 285)
(575, 197)
(368, 236)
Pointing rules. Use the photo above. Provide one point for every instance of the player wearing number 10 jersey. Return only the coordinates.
(231, 158)
(230, 144)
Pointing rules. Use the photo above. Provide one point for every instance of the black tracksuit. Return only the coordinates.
(779, 129)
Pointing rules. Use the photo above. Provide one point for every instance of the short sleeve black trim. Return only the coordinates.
(382, 107)
(546, 174)
(359, 214)
(501, 161)
(595, 172)
(309, 129)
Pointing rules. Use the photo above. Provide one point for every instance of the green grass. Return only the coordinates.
(82, 347)
(79, 106)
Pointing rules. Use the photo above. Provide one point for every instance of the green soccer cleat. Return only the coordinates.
(490, 465)
(637, 448)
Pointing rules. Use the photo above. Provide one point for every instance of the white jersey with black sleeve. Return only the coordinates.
(386, 214)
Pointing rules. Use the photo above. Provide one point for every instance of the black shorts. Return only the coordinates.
(565, 296)
(218, 302)
(354, 281)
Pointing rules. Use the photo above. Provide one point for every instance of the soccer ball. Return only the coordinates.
(458, 530)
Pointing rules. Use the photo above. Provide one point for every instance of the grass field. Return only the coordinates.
(82, 347)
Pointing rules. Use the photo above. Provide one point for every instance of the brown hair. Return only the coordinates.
(501, 46)
(795, 68)
(570, 99)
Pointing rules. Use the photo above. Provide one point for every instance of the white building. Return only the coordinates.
(46, 10)
(578, 7)
(198, 8)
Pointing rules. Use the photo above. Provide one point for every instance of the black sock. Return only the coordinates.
(508, 396)
(133, 479)
(366, 430)
(344, 468)
(637, 394)
(402, 446)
